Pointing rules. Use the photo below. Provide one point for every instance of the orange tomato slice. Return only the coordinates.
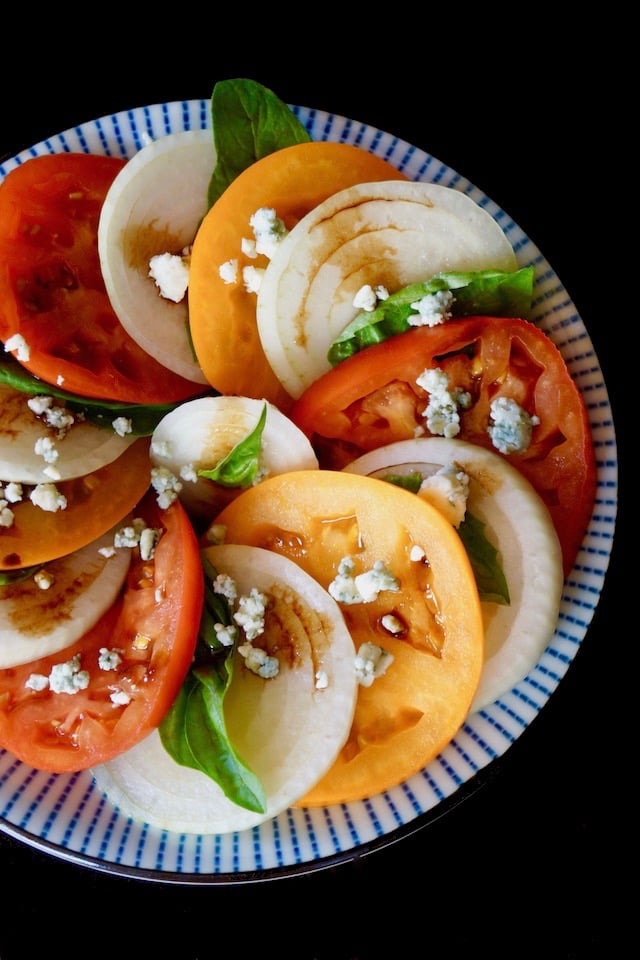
(95, 503)
(222, 317)
(412, 711)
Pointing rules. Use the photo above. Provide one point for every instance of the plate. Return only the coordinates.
(67, 817)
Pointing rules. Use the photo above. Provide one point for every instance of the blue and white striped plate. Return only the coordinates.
(66, 816)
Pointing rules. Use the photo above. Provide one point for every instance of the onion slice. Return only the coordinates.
(37, 622)
(288, 729)
(82, 449)
(392, 234)
(153, 207)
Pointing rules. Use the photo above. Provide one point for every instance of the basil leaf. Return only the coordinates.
(9, 577)
(490, 578)
(490, 292)
(240, 466)
(249, 122)
(144, 417)
(194, 731)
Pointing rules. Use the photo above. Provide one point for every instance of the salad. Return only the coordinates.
(265, 346)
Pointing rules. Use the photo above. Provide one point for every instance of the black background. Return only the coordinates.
(525, 861)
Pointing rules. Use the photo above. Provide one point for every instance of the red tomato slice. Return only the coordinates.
(51, 286)
(154, 626)
(373, 399)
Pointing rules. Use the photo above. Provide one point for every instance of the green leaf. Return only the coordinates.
(144, 417)
(194, 731)
(490, 578)
(249, 122)
(240, 466)
(490, 292)
(9, 577)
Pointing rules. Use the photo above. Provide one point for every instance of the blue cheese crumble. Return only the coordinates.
(511, 427)
(18, 346)
(448, 490)
(268, 230)
(441, 412)
(371, 662)
(432, 309)
(170, 273)
(64, 678)
(363, 587)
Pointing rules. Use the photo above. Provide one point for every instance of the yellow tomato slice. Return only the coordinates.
(402, 721)
(222, 317)
(95, 503)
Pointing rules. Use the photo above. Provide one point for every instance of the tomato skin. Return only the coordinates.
(68, 732)
(51, 286)
(372, 399)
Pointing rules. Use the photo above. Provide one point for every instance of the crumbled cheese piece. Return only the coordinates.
(109, 659)
(166, 485)
(188, 473)
(161, 449)
(43, 579)
(250, 613)
(371, 662)
(448, 490)
(228, 271)
(7, 516)
(52, 472)
(39, 405)
(128, 536)
(54, 416)
(392, 624)
(433, 309)
(18, 345)
(248, 247)
(107, 552)
(268, 230)
(68, 677)
(416, 553)
(374, 581)
(322, 680)
(47, 497)
(226, 634)
(252, 278)
(171, 275)
(148, 541)
(137, 534)
(225, 586)
(364, 587)
(37, 682)
(141, 642)
(441, 412)
(365, 299)
(258, 661)
(120, 698)
(13, 492)
(512, 426)
(122, 426)
(215, 534)
(59, 380)
(46, 448)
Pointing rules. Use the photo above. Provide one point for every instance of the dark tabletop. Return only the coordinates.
(522, 864)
